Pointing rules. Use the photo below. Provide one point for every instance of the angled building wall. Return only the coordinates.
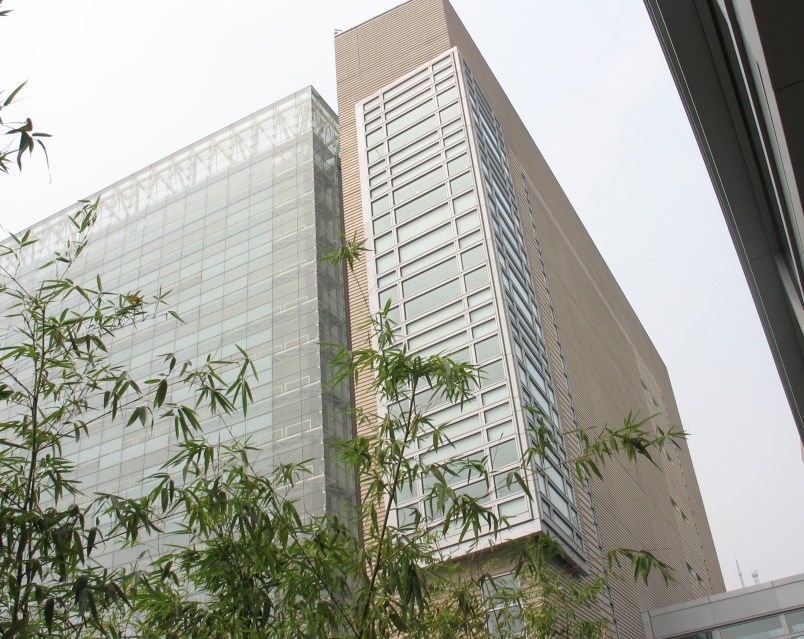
(438, 167)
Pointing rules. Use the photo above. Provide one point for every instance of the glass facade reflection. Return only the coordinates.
(234, 226)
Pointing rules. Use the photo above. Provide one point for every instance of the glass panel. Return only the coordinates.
(384, 242)
(426, 140)
(380, 177)
(427, 259)
(469, 240)
(450, 112)
(492, 373)
(448, 346)
(473, 257)
(419, 168)
(397, 142)
(416, 113)
(382, 188)
(424, 73)
(434, 318)
(758, 629)
(467, 222)
(388, 294)
(398, 167)
(464, 202)
(452, 127)
(501, 431)
(436, 333)
(497, 413)
(415, 228)
(476, 299)
(476, 279)
(376, 153)
(447, 96)
(461, 183)
(795, 620)
(455, 150)
(431, 300)
(380, 205)
(383, 223)
(374, 138)
(429, 277)
(386, 262)
(426, 243)
(503, 454)
(458, 164)
(419, 184)
(420, 204)
(488, 348)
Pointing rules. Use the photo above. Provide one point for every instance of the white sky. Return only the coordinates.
(120, 88)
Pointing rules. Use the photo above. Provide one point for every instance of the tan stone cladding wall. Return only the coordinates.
(611, 365)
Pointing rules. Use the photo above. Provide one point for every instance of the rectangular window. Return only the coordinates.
(428, 259)
(501, 431)
(467, 222)
(419, 185)
(437, 332)
(503, 454)
(487, 348)
(428, 242)
(421, 204)
(795, 620)
(412, 229)
(461, 183)
(449, 113)
(431, 276)
(758, 629)
(473, 257)
(398, 167)
(428, 140)
(464, 202)
(416, 131)
(409, 117)
(383, 223)
(381, 205)
(405, 84)
(434, 318)
(458, 164)
(427, 302)
(476, 278)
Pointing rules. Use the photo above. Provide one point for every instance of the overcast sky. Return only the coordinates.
(121, 85)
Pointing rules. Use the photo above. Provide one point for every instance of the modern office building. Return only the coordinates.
(739, 69)
(234, 225)
(481, 255)
(773, 610)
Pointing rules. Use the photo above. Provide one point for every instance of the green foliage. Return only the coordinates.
(247, 563)
(57, 385)
(27, 138)
(242, 559)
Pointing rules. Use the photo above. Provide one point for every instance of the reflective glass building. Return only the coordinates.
(234, 226)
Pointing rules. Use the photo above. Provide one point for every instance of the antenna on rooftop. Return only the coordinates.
(739, 572)
(755, 575)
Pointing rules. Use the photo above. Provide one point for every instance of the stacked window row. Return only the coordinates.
(431, 264)
(554, 482)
